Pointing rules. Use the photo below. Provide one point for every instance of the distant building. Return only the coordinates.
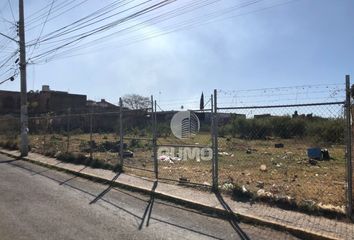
(262, 116)
(42, 102)
(102, 106)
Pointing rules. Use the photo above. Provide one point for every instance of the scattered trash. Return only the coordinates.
(175, 158)
(314, 153)
(262, 193)
(183, 180)
(128, 154)
(263, 168)
(330, 207)
(227, 186)
(313, 161)
(224, 153)
(278, 165)
(166, 159)
(206, 183)
(244, 190)
(248, 151)
(260, 184)
(325, 154)
(279, 145)
(284, 199)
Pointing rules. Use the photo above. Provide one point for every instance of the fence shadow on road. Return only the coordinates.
(149, 207)
(72, 177)
(75, 188)
(148, 210)
(232, 218)
(111, 184)
(45, 170)
(10, 161)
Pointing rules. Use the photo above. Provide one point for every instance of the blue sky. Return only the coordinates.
(297, 43)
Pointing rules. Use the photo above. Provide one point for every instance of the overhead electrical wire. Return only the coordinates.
(55, 9)
(12, 12)
(44, 23)
(78, 35)
(109, 26)
(56, 45)
(169, 29)
(187, 23)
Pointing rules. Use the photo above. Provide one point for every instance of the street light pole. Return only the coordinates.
(24, 110)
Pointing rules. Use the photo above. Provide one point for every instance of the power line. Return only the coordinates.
(108, 26)
(12, 12)
(44, 23)
(65, 46)
(55, 16)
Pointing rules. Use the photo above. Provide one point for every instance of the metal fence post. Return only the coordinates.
(212, 139)
(67, 131)
(91, 139)
(349, 148)
(44, 147)
(121, 132)
(215, 143)
(154, 141)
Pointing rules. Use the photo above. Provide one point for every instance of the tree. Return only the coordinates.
(202, 102)
(135, 101)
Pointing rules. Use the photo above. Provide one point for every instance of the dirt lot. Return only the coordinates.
(287, 170)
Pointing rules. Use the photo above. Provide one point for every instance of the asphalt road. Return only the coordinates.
(39, 203)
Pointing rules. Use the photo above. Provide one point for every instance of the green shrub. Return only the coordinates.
(318, 129)
(10, 145)
(135, 143)
(327, 130)
(83, 160)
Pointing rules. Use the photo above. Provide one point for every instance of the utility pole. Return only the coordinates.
(24, 110)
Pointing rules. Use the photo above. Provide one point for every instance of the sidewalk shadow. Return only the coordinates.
(232, 218)
(10, 161)
(72, 177)
(131, 213)
(111, 185)
(45, 170)
(149, 207)
(78, 189)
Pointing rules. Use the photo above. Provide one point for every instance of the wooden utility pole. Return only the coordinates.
(24, 110)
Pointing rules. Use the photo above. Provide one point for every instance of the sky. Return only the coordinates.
(270, 44)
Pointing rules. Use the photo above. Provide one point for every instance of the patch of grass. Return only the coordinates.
(81, 159)
(9, 144)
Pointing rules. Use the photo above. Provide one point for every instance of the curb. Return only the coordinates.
(298, 232)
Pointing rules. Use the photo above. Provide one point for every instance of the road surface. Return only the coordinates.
(39, 203)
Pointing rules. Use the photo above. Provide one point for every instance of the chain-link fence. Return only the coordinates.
(291, 150)
(84, 137)
(286, 144)
(296, 152)
(184, 145)
(137, 147)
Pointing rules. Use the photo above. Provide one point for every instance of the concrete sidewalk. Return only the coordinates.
(299, 224)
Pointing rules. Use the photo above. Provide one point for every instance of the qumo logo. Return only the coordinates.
(185, 153)
(185, 124)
